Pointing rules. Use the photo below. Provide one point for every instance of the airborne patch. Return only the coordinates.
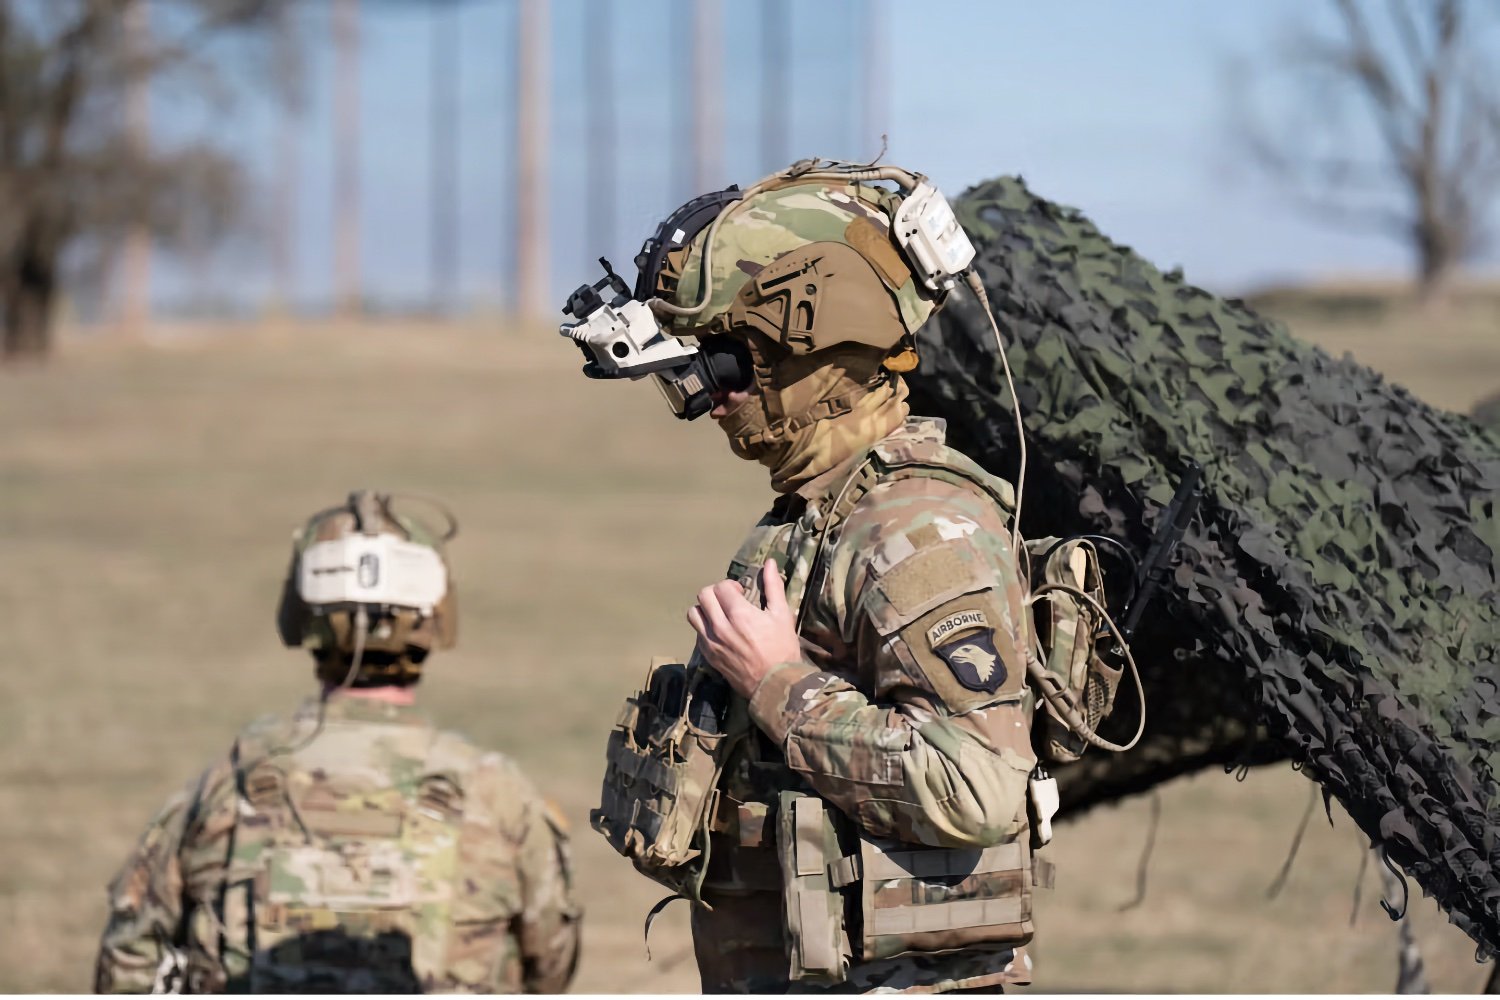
(954, 622)
(973, 659)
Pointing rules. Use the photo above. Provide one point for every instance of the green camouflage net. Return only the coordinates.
(1487, 412)
(1336, 602)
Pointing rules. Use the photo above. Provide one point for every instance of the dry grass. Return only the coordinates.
(146, 496)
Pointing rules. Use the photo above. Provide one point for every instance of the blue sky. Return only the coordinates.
(1116, 107)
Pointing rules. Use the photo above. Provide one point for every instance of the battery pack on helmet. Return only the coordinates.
(372, 569)
(935, 244)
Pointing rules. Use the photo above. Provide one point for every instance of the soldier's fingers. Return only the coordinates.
(695, 619)
(732, 600)
(713, 612)
(772, 586)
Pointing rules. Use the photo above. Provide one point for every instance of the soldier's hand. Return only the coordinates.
(739, 640)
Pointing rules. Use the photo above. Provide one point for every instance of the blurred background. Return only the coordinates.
(255, 253)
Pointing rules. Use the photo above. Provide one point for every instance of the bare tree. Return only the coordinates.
(72, 181)
(1390, 121)
(135, 261)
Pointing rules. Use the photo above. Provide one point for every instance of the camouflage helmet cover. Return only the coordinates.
(399, 639)
(811, 228)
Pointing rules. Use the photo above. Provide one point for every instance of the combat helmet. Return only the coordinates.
(807, 286)
(804, 271)
(369, 592)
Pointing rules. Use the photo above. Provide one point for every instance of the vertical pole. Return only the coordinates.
(679, 100)
(601, 166)
(531, 247)
(775, 40)
(876, 118)
(347, 293)
(284, 236)
(443, 155)
(708, 111)
(135, 258)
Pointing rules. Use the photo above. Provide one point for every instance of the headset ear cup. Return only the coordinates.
(291, 612)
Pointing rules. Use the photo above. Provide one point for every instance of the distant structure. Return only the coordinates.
(443, 200)
(599, 82)
(875, 118)
(347, 291)
(532, 246)
(288, 164)
(708, 95)
(775, 83)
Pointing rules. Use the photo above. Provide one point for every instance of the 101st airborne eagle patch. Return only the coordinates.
(966, 642)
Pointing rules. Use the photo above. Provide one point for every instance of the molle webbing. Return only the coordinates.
(326, 867)
(925, 899)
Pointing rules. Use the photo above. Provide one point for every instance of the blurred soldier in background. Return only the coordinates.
(864, 781)
(352, 847)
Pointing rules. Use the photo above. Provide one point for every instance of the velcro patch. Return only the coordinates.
(928, 578)
(973, 618)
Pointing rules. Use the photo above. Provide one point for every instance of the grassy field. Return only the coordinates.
(147, 494)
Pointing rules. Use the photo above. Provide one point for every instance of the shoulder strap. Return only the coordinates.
(885, 465)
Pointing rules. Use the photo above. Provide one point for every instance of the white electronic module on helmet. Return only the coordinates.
(622, 337)
(928, 232)
(378, 569)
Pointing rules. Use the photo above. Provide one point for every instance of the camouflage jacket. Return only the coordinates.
(910, 714)
(382, 856)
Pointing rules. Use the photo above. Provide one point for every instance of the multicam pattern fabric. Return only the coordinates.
(382, 856)
(1338, 602)
(777, 222)
(875, 722)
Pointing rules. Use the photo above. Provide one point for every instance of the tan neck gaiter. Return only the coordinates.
(812, 447)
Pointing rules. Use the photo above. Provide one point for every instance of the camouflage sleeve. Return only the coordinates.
(550, 914)
(924, 596)
(145, 905)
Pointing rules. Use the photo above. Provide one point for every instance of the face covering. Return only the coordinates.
(810, 421)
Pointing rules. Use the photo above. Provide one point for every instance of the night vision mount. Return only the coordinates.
(620, 336)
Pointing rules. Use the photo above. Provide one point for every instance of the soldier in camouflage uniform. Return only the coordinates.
(868, 829)
(351, 847)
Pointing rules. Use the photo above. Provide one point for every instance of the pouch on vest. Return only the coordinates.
(662, 765)
(918, 899)
(814, 871)
(1066, 628)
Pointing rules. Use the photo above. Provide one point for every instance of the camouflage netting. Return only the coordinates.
(1487, 411)
(1335, 603)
